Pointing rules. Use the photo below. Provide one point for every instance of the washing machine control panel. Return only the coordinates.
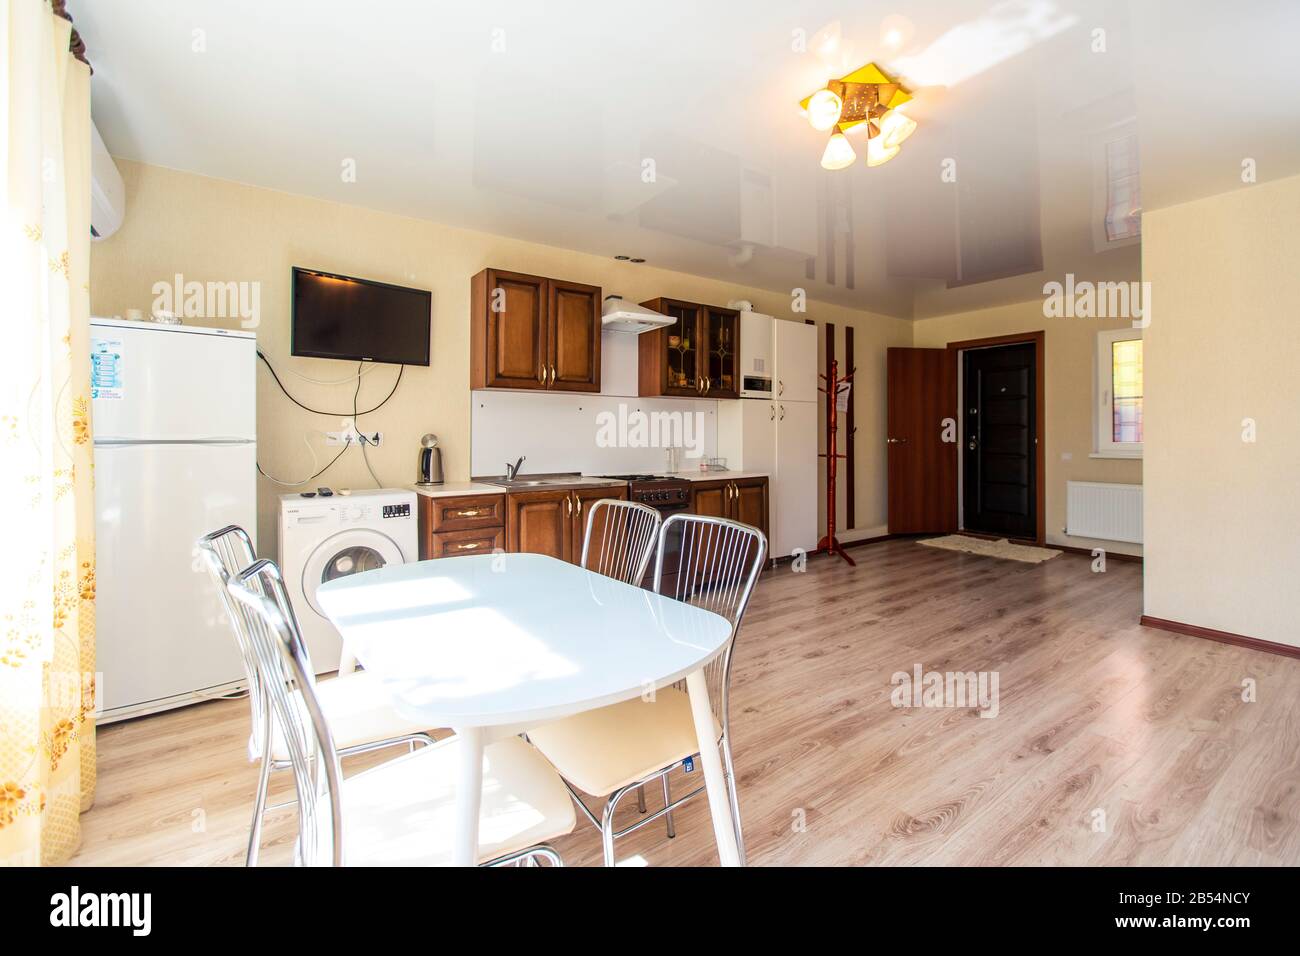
(397, 511)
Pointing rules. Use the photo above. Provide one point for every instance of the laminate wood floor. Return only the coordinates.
(1113, 743)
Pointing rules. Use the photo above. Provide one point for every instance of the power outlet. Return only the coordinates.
(353, 437)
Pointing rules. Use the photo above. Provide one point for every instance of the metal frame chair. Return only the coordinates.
(627, 539)
(719, 563)
(227, 553)
(289, 684)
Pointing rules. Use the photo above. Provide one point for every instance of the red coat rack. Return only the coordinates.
(831, 544)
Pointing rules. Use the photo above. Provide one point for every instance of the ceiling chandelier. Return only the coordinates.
(869, 100)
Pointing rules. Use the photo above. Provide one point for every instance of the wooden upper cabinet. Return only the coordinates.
(533, 332)
(722, 339)
(574, 336)
(695, 357)
(508, 330)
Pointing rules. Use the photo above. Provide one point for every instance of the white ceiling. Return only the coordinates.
(534, 120)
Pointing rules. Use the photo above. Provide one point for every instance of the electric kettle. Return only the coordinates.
(430, 461)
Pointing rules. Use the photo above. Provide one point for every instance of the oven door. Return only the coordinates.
(672, 552)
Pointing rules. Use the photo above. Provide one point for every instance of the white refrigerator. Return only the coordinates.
(777, 434)
(175, 424)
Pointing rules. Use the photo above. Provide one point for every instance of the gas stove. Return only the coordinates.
(657, 491)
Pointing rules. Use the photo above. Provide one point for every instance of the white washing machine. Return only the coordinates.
(322, 539)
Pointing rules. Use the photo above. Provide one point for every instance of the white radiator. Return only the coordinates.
(1104, 510)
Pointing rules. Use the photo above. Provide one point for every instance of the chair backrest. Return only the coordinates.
(226, 553)
(718, 563)
(289, 683)
(620, 539)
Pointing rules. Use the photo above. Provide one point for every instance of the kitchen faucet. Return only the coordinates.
(513, 470)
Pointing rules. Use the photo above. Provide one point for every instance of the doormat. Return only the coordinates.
(1002, 548)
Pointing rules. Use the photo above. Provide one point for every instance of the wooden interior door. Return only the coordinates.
(514, 308)
(921, 392)
(574, 336)
(999, 467)
(540, 522)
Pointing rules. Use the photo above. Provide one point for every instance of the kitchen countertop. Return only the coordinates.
(449, 489)
(710, 475)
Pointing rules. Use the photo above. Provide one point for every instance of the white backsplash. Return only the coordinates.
(557, 431)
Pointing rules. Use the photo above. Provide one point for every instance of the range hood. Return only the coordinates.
(619, 316)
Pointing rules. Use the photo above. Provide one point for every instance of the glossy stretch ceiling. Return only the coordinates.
(671, 131)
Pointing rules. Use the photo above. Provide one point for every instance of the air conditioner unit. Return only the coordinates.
(107, 191)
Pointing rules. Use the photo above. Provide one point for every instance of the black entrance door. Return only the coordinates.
(998, 454)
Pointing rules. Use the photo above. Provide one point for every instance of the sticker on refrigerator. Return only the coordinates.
(106, 369)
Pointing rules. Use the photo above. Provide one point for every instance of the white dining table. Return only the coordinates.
(492, 645)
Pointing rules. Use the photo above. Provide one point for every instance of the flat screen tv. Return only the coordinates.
(341, 317)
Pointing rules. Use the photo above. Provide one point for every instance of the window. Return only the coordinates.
(1119, 393)
(1123, 198)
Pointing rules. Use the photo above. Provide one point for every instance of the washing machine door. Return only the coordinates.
(348, 552)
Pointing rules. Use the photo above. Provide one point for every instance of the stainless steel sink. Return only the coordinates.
(543, 481)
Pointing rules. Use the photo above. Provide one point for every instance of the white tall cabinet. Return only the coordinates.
(778, 435)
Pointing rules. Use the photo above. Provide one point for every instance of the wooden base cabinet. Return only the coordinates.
(740, 499)
(461, 524)
(552, 522)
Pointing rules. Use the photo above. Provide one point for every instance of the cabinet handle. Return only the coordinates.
(772, 417)
(468, 513)
(466, 547)
(579, 500)
(568, 505)
(782, 418)
(708, 384)
(552, 375)
(541, 374)
(780, 387)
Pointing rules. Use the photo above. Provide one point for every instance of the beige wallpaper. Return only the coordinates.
(211, 230)
(1069, 345)
(1222, 511)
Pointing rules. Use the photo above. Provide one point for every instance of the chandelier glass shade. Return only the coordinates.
(866, 99)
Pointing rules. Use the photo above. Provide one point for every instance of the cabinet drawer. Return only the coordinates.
(450, 544)
(463, 513)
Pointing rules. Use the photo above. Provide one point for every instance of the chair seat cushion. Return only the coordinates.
(357, 710)
(601, 750)
(403, 813)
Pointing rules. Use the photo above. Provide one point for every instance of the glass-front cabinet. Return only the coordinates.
(696, 356)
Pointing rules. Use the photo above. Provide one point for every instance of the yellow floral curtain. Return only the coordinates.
(47, 564)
